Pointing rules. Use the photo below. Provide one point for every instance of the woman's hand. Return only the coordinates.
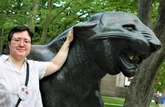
(70, 36)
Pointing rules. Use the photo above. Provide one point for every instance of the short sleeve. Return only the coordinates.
(38, 66)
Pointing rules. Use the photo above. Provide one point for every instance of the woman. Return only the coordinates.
(19, 77)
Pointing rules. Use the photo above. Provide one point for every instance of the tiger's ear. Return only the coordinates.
(84, 30)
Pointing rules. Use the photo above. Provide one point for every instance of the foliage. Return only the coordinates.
(159, 83)
(53, 17)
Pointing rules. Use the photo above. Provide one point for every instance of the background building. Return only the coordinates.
(115, 85)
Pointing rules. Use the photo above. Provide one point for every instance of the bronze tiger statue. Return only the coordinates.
(109, 42)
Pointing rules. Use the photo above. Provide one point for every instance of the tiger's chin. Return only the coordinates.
(129, 61)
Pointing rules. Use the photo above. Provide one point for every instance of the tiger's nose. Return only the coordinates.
(155, 46)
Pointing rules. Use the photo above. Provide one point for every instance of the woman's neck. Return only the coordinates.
(17, 63)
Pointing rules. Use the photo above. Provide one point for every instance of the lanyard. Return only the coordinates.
(26, 82)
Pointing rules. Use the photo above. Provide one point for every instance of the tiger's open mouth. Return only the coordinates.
(129, 61)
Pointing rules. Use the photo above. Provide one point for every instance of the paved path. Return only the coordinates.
(161, 105)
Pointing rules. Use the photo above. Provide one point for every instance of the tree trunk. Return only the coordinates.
(33, 14)
(144, 11)
(47, 22)
(141, 87)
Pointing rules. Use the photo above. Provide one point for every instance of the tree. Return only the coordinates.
(141, 88)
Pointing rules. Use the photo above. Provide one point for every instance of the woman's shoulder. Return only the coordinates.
(3, 57)
(36, 63)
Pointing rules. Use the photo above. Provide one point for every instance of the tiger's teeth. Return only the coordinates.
(131, 57)
(135, 57)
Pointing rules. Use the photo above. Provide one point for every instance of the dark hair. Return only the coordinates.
(20, 29)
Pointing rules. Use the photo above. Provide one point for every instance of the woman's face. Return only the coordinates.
(20, 45)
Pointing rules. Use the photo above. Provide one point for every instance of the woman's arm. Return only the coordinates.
(60, 58)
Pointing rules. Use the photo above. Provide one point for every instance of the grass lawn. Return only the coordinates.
(118, 102)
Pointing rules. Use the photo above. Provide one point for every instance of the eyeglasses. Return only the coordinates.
(18, 40)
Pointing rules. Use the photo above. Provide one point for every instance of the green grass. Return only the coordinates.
(112, 106)
(118, 102)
